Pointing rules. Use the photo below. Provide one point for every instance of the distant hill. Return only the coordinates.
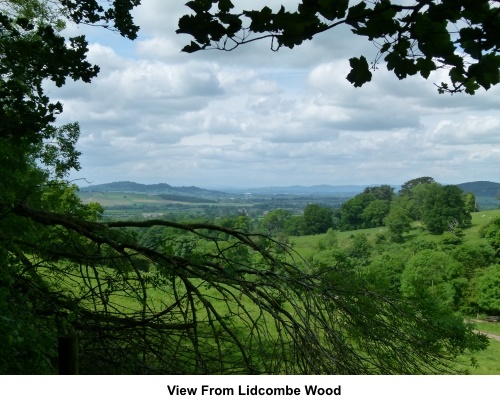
(481, 188)
(302, 190)
(161, 188)
(486, 192)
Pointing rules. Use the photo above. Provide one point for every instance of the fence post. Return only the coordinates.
(68, 354)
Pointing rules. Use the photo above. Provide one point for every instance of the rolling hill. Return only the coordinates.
(160, 189)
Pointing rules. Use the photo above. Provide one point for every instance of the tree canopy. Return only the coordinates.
(367, 209)
(444, 208)
(412, 38)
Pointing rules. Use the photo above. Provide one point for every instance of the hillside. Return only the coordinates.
(481, 188)
(487, 193)
(161, 188)
(301, 190)
(281, 197)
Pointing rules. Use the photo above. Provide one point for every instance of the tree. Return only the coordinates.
(367, 209)
(360, 249)
(492, 234)
(352, 211)
(215, 300)
(460, 37)
(398, 222)
(329, 241)
(411, 196)
(384, 192)
(434, 275)
(275, 221)
(373, 215)
(471, 202)
(317, 219)
(488, 290)
(295, 225)
(443, 209)
(385, 271)
(473, 256)
(407, 187)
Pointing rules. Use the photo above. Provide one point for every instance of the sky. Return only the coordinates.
(254, 118)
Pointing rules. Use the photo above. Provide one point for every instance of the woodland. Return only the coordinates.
(231, 295)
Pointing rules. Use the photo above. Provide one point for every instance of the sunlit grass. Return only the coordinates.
(488, 361)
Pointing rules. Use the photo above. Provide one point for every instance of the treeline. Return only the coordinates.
(438, 207)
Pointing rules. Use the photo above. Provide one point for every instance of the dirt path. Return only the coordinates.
(490, 335)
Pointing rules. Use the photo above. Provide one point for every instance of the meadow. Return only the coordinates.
(308, 245)
(488, 361)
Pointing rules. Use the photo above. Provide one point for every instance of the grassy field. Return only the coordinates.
(113, 199)
(307, 245)
(489, 360)
(129, 204)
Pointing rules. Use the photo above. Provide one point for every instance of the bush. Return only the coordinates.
(488, 290)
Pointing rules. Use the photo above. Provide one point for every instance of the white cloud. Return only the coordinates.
(255, 117)
(469, 130)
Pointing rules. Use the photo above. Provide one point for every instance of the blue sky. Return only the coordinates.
(253, 117)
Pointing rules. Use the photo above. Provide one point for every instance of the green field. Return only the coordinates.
(488, 362)
(129, 200)
(307, 245)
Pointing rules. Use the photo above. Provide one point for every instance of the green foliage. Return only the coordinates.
(373, 215)
(473, 256)
(451, 239)
(360, 72)
(397, 222)
(443, 209)
(385, 271)
(294, 226)
(35, 54)
(412, 39)
(360, 249)
(240, 222)
(275, 221)
(25, 338)
(335, 261)
(436, 275)
(384, 192)
(36, 156)
(317, 219)
(492, 234)
(368, 209)
(488, 290)
(471, 202)
(423, 244)
(352, 211)
(328, 241)
(408, 186)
